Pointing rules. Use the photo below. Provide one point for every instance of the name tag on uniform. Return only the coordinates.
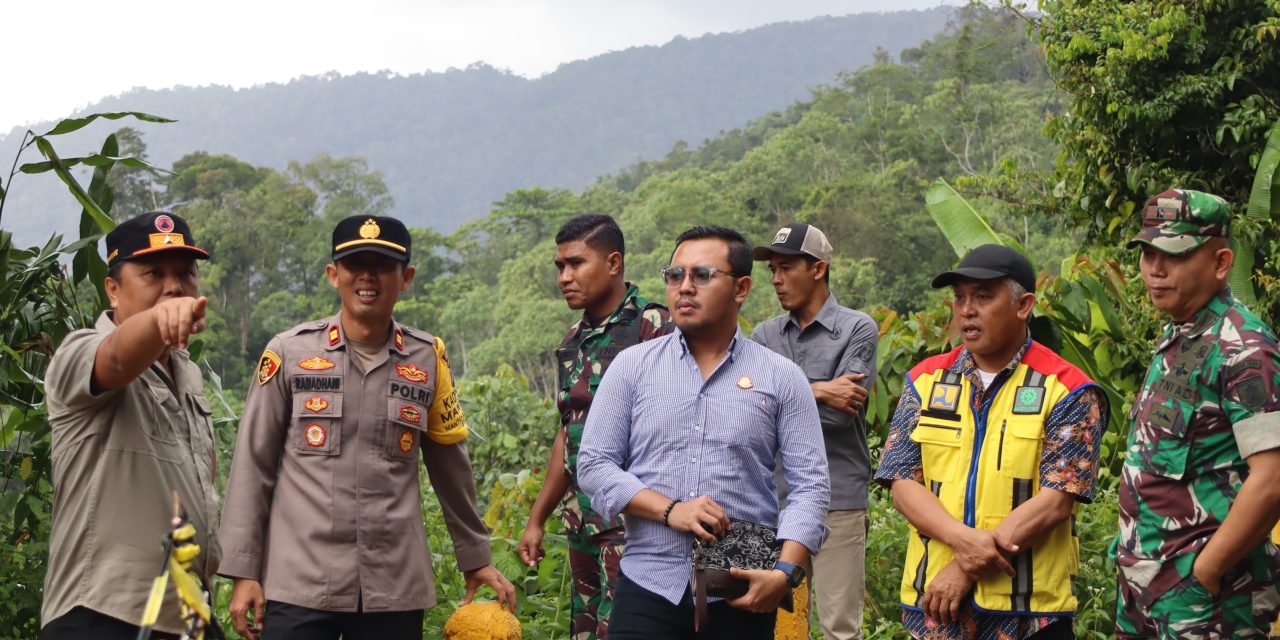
(944, 397)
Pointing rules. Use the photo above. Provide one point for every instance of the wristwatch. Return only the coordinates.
(795, 573)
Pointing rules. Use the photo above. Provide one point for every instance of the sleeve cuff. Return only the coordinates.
(1257, 433)
(241, 565)
(617, 497)
(474, 556)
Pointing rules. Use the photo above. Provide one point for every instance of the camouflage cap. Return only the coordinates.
(1179, 220)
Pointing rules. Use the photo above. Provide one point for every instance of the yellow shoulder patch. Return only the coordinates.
(268, 366)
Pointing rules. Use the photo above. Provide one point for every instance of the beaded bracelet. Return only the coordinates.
(666, 515)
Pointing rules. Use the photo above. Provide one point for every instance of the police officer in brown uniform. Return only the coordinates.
(130, 427)
(323, 518)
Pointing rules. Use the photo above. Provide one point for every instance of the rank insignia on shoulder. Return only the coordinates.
(335, 336)
(410, 414)
(406, 440)
(944, 397)
(1028, 400)
(411, 372)
(268, 366)
(316, 404)
(316, 363)
(399, 340)
(316, 435)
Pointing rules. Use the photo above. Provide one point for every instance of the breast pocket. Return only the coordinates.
(940, 446)
(1021, 447)
(1162, 426)
(160, 427)
(753, 426)
(406, 424)
(317, 424)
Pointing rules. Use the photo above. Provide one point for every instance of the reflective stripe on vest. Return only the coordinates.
(1008, 474)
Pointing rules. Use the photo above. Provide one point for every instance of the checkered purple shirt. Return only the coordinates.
(656, 424)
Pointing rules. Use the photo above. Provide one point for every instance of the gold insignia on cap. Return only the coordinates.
(745, 383)
(370, 229)
(112, 256)
(166, 240)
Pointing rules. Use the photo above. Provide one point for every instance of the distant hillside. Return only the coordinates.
(451, 143)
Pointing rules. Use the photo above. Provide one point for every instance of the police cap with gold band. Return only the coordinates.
(148, 234)
(379, 234)
(1180, 220)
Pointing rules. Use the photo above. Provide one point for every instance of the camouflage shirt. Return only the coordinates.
(583, 356)
(1209, 400)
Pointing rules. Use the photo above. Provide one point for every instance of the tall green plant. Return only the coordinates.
(38, 308)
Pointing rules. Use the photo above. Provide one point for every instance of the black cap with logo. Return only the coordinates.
(151, 233)
(379, 234)
(988, 262)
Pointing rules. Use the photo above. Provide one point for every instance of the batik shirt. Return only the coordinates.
(583, 356)
(1068, 463)
(1209, 401)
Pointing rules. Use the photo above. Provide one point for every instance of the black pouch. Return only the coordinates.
(746, 545)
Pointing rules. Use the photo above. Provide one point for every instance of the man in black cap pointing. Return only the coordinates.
(130, 426)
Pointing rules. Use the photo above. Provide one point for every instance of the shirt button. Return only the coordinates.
(690, 494)
(693, 459)
(702, 395)
(697, 427)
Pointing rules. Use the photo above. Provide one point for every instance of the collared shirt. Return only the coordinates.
(839, 341)
(323, 504)
(583, 357)
(1068, 463)
(117, 456)
(657, 424)
(1210, 399)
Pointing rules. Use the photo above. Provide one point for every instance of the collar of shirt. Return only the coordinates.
(733, 344)
(584, 326)
(826, 315)
(1208, 316)
(966, 366)
(332, 324)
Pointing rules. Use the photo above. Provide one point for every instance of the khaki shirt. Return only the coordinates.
(323, 504)
(117, 455)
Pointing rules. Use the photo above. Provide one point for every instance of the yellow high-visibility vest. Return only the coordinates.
(982, 465)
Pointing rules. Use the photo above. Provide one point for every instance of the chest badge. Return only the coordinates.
(316, 404)
(411, 372)
(745, 383)
(406, 441)
(268, 366)
(1028, 400)
(316, 435)
(316, 363)
(944, 397)
(410, 414)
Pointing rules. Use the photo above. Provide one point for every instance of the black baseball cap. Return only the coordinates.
(379, 234)
(797, 239)
(988, 262)
(151, 233)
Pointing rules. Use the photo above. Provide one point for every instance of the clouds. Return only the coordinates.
(91, 49)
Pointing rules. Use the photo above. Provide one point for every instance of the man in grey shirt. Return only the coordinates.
(836, 348)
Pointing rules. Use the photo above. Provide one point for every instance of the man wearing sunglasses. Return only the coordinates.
(589, 263)
(683, 435)
(836, 348)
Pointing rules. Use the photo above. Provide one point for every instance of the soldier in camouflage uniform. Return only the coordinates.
(1199, 491)
(589, 258)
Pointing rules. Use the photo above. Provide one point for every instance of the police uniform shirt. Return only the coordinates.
(117, 456)
(323, 504)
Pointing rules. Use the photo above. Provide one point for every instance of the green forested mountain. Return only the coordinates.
(448, 144)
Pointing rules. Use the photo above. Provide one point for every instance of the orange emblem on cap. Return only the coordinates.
(370, 229)
(268, 366)
(316, 363)
(158, 240)
(164, 224)
(316, 404)
(411, 372)
(406, 441)
(411, 414)
(316, 435)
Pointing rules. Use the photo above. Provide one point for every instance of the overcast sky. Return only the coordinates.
(62, 56)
